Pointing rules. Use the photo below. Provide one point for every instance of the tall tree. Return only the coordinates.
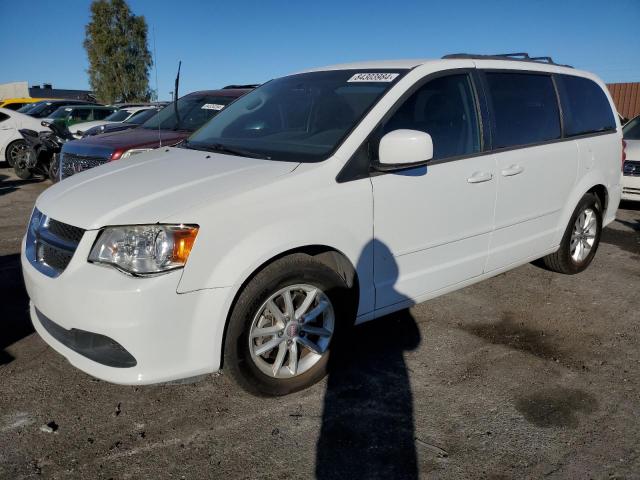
(119, 58)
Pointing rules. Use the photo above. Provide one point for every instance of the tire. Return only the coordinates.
(566, 260)
(21, 170)
(13, 150)
(53, 172)
(240, 359)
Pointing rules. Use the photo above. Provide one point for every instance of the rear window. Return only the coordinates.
(585, 106)
(631, 131)
(525, 109)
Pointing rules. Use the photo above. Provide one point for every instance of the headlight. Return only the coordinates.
(134, 151)
(34, 222)
(144, 249)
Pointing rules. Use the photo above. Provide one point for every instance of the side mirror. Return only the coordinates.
(404, 149)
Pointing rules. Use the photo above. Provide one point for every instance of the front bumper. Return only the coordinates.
(170, 335)
(631, 188)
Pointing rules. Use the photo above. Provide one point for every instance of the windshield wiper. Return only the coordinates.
(218, 147)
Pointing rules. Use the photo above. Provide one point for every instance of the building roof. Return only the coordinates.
(39, 92)
(626, 96)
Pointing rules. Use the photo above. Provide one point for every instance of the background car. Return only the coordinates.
(119, 116)
(46, 108)
(170, 126)
(70, 115)
(132, 122)
(11, 142)
(631, 168)
(19, 102)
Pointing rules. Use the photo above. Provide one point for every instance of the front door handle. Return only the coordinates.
(512, 170)
(479, 177)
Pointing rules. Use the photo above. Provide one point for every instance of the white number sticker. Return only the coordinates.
(373, 77)
(212, 106)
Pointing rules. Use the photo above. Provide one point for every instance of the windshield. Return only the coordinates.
(193, 112)
(44, 109)
(301, 118)
(631, 131)
(62, 112)
(28, 106)
(117, 116)
(141, 116)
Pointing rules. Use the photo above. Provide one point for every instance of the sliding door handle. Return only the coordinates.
(512, 170)
(479, 177)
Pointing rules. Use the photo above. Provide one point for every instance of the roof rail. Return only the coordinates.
(251, 85)
(519, 57)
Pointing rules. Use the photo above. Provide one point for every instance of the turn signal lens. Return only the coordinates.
(183, 243)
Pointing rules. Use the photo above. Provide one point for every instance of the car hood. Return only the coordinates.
(633, 150)
(84, 126)
(134, 138)
(152, 186)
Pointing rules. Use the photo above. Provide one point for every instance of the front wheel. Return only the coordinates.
(580, 240)
(284, 325)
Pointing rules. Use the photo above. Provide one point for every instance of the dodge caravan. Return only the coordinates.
(318, 200)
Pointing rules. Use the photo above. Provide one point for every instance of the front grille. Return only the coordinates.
(51, 244)
(63, 230)
(72, 163)
(55, 257)
(631, 168)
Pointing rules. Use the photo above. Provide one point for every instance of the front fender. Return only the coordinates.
(248, 233)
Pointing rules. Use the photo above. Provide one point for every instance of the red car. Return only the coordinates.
(171, 125)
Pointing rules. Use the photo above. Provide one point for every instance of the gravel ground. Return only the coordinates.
(528, 375)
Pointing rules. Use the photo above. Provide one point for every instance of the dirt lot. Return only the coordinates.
(528, 375)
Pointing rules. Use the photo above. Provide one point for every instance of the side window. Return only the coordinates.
(81, 114)
(585, 106)
(100, 114)
(3, 117)
(444, 108)
(525, 109)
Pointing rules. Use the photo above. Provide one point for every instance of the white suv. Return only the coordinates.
(320, 199)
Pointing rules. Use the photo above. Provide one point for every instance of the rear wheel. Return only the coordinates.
(14, 151)
(581, 238)
(284, 325)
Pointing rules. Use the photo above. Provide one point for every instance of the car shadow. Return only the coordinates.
(367, 422)
(8, 184)
(14, 306)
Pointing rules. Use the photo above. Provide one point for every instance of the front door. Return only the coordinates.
(432, 224)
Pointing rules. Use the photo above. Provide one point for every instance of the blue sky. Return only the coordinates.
(245, 42)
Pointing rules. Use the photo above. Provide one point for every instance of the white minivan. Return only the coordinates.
(319, 200)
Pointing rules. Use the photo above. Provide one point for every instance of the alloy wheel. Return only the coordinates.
(584, 235)
(291, 331)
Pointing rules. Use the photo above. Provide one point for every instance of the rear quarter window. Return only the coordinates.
(585, 106)
(524, 109)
